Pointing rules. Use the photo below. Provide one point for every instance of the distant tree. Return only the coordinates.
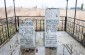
(82, 6)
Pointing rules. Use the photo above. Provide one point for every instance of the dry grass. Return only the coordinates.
(39, 12)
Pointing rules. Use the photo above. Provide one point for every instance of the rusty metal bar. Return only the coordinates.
(6, 17)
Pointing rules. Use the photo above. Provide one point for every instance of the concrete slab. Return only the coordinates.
(13, 48)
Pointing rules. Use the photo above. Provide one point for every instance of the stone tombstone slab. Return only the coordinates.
(52, 17)
(27, 32)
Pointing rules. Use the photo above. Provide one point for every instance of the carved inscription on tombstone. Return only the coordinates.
(51, 23)
(27, 32)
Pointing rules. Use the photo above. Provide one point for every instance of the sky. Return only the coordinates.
(42, 3)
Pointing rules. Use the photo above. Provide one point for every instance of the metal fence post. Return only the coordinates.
(6, 18)
(15, 15)
(18, 23)
(65, 27)
(74, 17)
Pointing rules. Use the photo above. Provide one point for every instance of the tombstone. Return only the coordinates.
(27, 39)
(51, 20)
(52, 17)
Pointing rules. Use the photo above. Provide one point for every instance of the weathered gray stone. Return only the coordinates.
(27, 32)
(52, 17)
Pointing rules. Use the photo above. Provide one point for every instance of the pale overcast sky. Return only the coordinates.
(42, 3)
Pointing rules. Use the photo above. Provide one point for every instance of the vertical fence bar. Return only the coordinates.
(11, 25)
(65, 26)
(36, 25)
(40, 25)
(43, 25)
(70, 27)
(62, 24)
(6, 33)
(82, 33)
(15, 15)
(66, 16)
(6, 18)
(2, 34)
(79, 32)
(18, 22)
